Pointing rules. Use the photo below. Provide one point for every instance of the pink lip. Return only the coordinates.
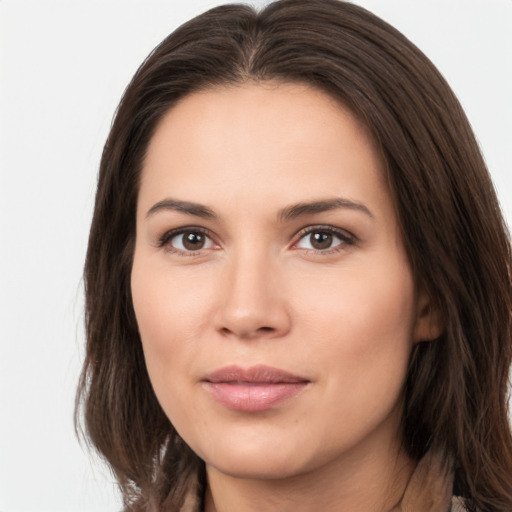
(253, 389)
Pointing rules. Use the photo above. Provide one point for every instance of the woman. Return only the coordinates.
(298, 282)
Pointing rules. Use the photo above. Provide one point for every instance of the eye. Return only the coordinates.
(323, 239)
(187, 240)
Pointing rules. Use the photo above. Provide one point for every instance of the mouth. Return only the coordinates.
(253, 389)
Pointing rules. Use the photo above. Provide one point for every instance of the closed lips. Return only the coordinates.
(255, 389)
(254, 375)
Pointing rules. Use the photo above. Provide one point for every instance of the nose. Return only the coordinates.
(252, 300)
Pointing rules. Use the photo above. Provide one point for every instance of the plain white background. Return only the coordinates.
(63, 67)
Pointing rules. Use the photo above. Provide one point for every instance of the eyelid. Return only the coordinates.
(347, 238)
(163, 241)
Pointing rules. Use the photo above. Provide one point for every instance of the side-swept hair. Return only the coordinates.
(456, 239)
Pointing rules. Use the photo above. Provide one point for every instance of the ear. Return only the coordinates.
(429, 324)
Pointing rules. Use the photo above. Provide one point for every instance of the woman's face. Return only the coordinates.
(274, 298)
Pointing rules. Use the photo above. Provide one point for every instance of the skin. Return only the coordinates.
(344, 317)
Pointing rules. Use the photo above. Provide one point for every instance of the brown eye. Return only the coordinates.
(188, 241)
(321, 240)
(193, 241)
(318, 239)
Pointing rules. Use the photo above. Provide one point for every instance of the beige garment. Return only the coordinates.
(428, 490)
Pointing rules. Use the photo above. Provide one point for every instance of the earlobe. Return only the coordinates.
(429, 324)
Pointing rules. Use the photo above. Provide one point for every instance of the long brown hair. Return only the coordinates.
(459, 250)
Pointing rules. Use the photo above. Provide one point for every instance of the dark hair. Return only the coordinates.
(457, 243)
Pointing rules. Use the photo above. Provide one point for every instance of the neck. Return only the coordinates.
(372, 483)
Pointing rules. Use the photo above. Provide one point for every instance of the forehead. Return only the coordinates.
(260, 140)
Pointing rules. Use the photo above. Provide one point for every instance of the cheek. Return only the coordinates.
(362, 327)
(170, 312)
(167, 305)
(373, 295)
(170, 315)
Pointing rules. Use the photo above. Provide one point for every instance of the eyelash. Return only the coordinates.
(164, 241)
(346, 239)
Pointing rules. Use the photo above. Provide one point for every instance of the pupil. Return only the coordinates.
(321, 240)
(193, 241)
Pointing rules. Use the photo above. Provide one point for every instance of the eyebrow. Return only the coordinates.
(313, 207)
(289, 213)
(187, 207)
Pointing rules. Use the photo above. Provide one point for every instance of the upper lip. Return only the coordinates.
(255, 374)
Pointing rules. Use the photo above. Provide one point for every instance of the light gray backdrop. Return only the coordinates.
(63, 68)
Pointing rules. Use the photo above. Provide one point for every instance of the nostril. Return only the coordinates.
(249, 333)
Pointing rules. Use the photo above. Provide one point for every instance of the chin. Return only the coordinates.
(254, 456)
(257, 466)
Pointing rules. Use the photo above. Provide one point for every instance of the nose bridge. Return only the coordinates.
(253, 302)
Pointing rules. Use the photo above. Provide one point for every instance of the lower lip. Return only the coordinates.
(253, 397)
